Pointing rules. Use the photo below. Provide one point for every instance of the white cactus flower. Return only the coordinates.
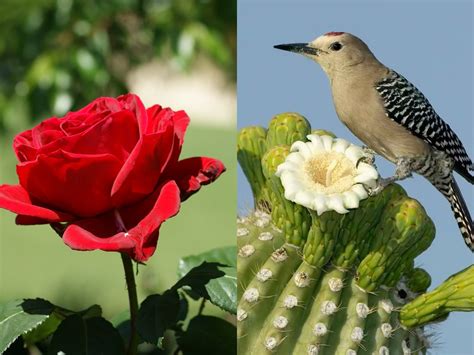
(325, 174)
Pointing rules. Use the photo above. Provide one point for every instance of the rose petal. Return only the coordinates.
(97, 233)
(27, 144)
(157, 116)
(133, 103)
(75, 183)
(116, 134)
(142, 221)
(190, 174)
(15, 198)
(139, 175)
(76, 122)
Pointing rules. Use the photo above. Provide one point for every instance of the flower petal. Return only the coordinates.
(364, 178)
(304, 198)
(319, 204)
(76, 122)
(367, 170)
(142, 220)
(354, 153)
(340, 145)
(133, 103)
(295, 158)
(190, 174)
(97, 234)
(302, 148)
(360, 191)
(140, 173)
(292, 184)
(115, 134)
(327, 142)
(336, 203)
(75, 183)
(351, 200)
(287, 166)
(27, 144)
(316, 143)
(158, 115)
(15, 198)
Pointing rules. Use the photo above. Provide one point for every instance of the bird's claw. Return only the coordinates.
(381, 185)
(367, 157)
(375, 190)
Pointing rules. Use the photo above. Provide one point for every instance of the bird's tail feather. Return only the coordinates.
(465, 173)
(461, 213)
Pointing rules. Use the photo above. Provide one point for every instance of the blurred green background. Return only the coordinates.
(59, 55)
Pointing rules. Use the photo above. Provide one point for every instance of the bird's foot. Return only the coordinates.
(381, 185)
(368, 156)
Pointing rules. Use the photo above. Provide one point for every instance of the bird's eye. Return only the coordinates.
(335, 46)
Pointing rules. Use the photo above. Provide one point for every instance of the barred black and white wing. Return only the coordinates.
(407, 106)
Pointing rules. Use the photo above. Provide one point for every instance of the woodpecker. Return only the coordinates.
(392, 118)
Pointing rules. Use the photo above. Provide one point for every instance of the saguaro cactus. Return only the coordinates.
(323, 268)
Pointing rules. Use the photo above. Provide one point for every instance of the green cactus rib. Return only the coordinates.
(454, 294)
(286, 128)
(319, 321)
(353, 318)
(398, 335)
(256, 240)
(292, 219)
(380, 308)
(251, 145)
(334, 283)
(357, 228)
(278, 329)
(262, 292)
(322, 238)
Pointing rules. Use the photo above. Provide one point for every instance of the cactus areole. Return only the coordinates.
(322, 268)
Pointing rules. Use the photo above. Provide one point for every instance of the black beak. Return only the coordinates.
(302, 48)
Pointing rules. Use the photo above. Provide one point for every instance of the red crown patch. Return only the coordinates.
(334, 33)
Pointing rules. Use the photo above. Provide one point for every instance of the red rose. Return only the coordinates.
(110, 170)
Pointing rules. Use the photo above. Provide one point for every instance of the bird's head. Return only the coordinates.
(334, 51)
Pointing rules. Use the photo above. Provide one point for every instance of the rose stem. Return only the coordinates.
(133, 300)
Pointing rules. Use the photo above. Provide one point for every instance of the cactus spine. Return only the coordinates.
(332, 283)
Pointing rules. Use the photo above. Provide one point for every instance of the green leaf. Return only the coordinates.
(208, 335)
(58, 314)
(77, 336)
(158, 313)
(20, 316)
(222, 291)
(44, 330)
(199, 276)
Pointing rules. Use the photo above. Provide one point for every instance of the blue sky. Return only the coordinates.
(429, 42)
